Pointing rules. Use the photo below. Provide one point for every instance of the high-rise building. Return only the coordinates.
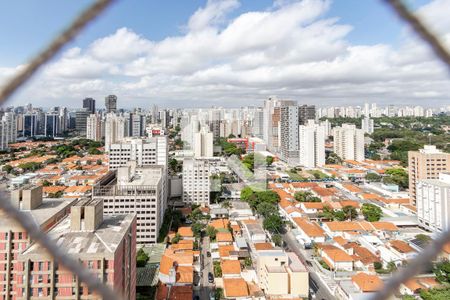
(140, 191)
(89, 104)
(106, 245)
(426, 163)
(349, 142)
(30, 125)
(115, 130)
(305, 113)
(95, 128)
(203, 143)
(14, 239)
(196, 181)
(367, 125)
(258, 124)
(111, 104)
(8, 130)
(52, 124)
(433, 203)
(312, 144)
(289, 134)
(137, 123)
(81, 117)
(146, 152)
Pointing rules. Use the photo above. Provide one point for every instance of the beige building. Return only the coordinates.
(282, 274)
(426, 163)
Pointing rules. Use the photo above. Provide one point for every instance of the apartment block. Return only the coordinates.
(196, 181)
(140, 191)
(95, 127)
(8, 130)
(312, 144)
(115, 130)
(203, 143)
(349, 142)
(14, 239)
(426, 163)
(282, 274)
(289, 125)
(105, 245)
(146, 152)
(433, 203)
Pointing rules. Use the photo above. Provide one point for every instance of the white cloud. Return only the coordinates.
(290, 50)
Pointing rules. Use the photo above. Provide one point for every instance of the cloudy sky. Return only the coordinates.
(230, 53)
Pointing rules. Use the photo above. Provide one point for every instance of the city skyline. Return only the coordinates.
(323, 55)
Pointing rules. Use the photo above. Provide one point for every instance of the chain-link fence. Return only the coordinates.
(37, 235)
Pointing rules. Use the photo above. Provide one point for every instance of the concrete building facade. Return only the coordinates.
(196, 181)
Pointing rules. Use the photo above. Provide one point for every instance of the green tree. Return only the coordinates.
(436, 294)
(339, 215)
(211, 232)
(99, 162)
(277, 240)
(371, 212)
(373, 177)
(248, 262)
(197, 229)
(217, 269)
(141, 258)
(246, 192)
(273, 223)
(269, 160)
(7, 168)
(350, 212)
(266, 209)
(334, 159)
(176, 238)
(218, 294)
(442, 271)
(46, 183)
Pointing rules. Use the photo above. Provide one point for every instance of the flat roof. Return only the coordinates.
(42, 214)
(99, 243)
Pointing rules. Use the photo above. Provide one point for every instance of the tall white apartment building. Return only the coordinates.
(289, 126)
(367, 125)
(8, 130)
(196, 181)
(94, 127)
(140, 191)
(203, 143)
(145, 152)
(115, 130)
(349, 142)
(433, 203)
(312, 144)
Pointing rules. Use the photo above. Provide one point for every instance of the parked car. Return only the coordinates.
(210, 277)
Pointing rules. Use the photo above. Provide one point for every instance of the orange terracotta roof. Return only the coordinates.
(313, 205)
(309, 228)
(171, 259)
(224, 251)
(303, 185)
(401, 246)
(351, 188)
(220, 223)
(324, 192)
(337, 255)
(78, 189)
(352, 203)
(185, 231)
(421, 283)
(224, 237)
(364, 255)
(53, 189)
(235, 287)
(344, 226)
(230, 266)
(185, 274)
(340, 240)
(263, 246)
(180, 292)
(385, 226)
(367, 283)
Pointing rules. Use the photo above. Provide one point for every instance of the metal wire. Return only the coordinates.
(426, 34)
(91, 280)
(6, 92)
(53, 48)
(58, 254)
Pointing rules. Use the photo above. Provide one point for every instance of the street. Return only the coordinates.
(206, 266)
(315, 283)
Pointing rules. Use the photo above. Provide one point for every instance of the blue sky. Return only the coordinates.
(26, 26)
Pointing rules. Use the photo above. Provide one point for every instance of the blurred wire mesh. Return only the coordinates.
(80, 22)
